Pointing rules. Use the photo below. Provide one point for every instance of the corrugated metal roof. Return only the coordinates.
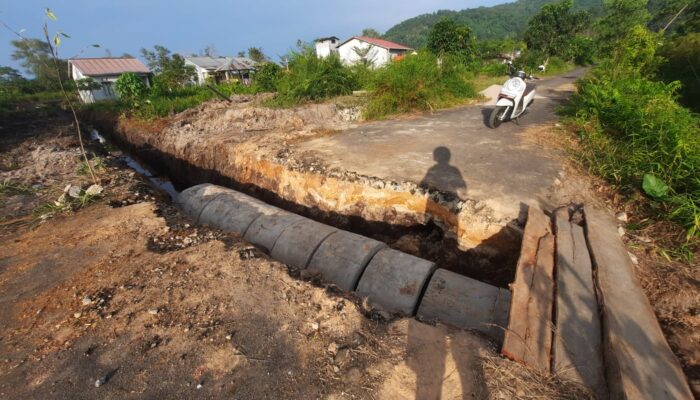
(222, 63)
(108, 66)
(379, 42)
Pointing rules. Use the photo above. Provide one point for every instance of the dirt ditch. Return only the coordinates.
(253, 150)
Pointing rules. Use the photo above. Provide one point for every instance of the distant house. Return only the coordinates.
(220, 69)
(326, 46)
(95, 77)
(373, 51)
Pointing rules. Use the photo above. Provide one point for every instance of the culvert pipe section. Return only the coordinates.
(391, 280)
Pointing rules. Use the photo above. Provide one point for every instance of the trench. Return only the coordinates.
(492, 260)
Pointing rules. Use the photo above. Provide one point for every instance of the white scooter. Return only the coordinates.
(514, 98)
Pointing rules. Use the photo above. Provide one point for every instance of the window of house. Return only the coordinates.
(108, 88)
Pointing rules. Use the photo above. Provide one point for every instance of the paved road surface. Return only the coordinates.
(495, 166)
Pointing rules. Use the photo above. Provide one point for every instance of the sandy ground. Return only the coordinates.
(124, 298)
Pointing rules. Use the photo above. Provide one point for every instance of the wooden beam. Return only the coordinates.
(528, 338)
(639, 363)
(577, 353)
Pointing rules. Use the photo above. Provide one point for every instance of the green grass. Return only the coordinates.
(418, 83)
(8, 188)
(162, 105)
(97, 163)
(629, 127)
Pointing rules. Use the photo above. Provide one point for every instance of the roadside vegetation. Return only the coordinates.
(634, 112)
(446, 72)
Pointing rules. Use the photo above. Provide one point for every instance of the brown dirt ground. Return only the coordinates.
(125, 291)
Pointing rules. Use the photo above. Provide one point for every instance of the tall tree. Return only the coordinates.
(371, 32)
(621, 17)
(156, 59)
(9, 75)
(450, 38)
(256, 54)
(34, 55)
(170, 69)
(679, 16)
(553, 30)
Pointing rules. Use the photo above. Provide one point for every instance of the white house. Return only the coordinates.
(95, 77)
(221, 68)
(376, 52)
(326, 46)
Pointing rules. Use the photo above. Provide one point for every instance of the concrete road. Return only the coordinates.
(455, 151)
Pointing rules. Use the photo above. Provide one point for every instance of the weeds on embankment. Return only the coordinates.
(418, 83)
(634, 134)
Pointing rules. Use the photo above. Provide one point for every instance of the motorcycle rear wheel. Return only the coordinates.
(496, 117)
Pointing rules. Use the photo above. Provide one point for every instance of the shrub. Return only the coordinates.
(637, 128)
(266, 77)
(494, 68)
(131, 89)
(311, 79)
(418, 82)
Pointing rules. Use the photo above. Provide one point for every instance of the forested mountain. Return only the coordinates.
(496, 22)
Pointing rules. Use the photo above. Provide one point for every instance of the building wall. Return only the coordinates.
(202, 73)
(106, 92)
(378, 56)
(326, 48)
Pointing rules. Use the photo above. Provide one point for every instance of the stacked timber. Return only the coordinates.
(578, 311)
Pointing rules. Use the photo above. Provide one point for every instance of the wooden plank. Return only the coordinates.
(638, 361)
(528, 338)
(539, 335)
(577, 352)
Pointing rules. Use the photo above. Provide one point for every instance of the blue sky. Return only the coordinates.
(125, 26)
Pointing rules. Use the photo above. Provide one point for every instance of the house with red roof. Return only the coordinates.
(95, 77)
(372, 51)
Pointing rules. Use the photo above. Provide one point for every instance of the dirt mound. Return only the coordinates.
(245, 116)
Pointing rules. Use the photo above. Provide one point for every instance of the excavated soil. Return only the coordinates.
(124, 298)
(254, 149)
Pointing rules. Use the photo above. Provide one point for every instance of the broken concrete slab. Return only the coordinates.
(639, 362)
(234, 211)
(299, 241)
(529, 335)
(394, 281)
(266, 229)
(194, 199)
(577, 352)
(466, 303)
(342, 258)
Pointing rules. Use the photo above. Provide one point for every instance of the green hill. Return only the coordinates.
(496, 22)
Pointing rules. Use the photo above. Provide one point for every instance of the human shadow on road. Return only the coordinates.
(428, 353)
(444, 176)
